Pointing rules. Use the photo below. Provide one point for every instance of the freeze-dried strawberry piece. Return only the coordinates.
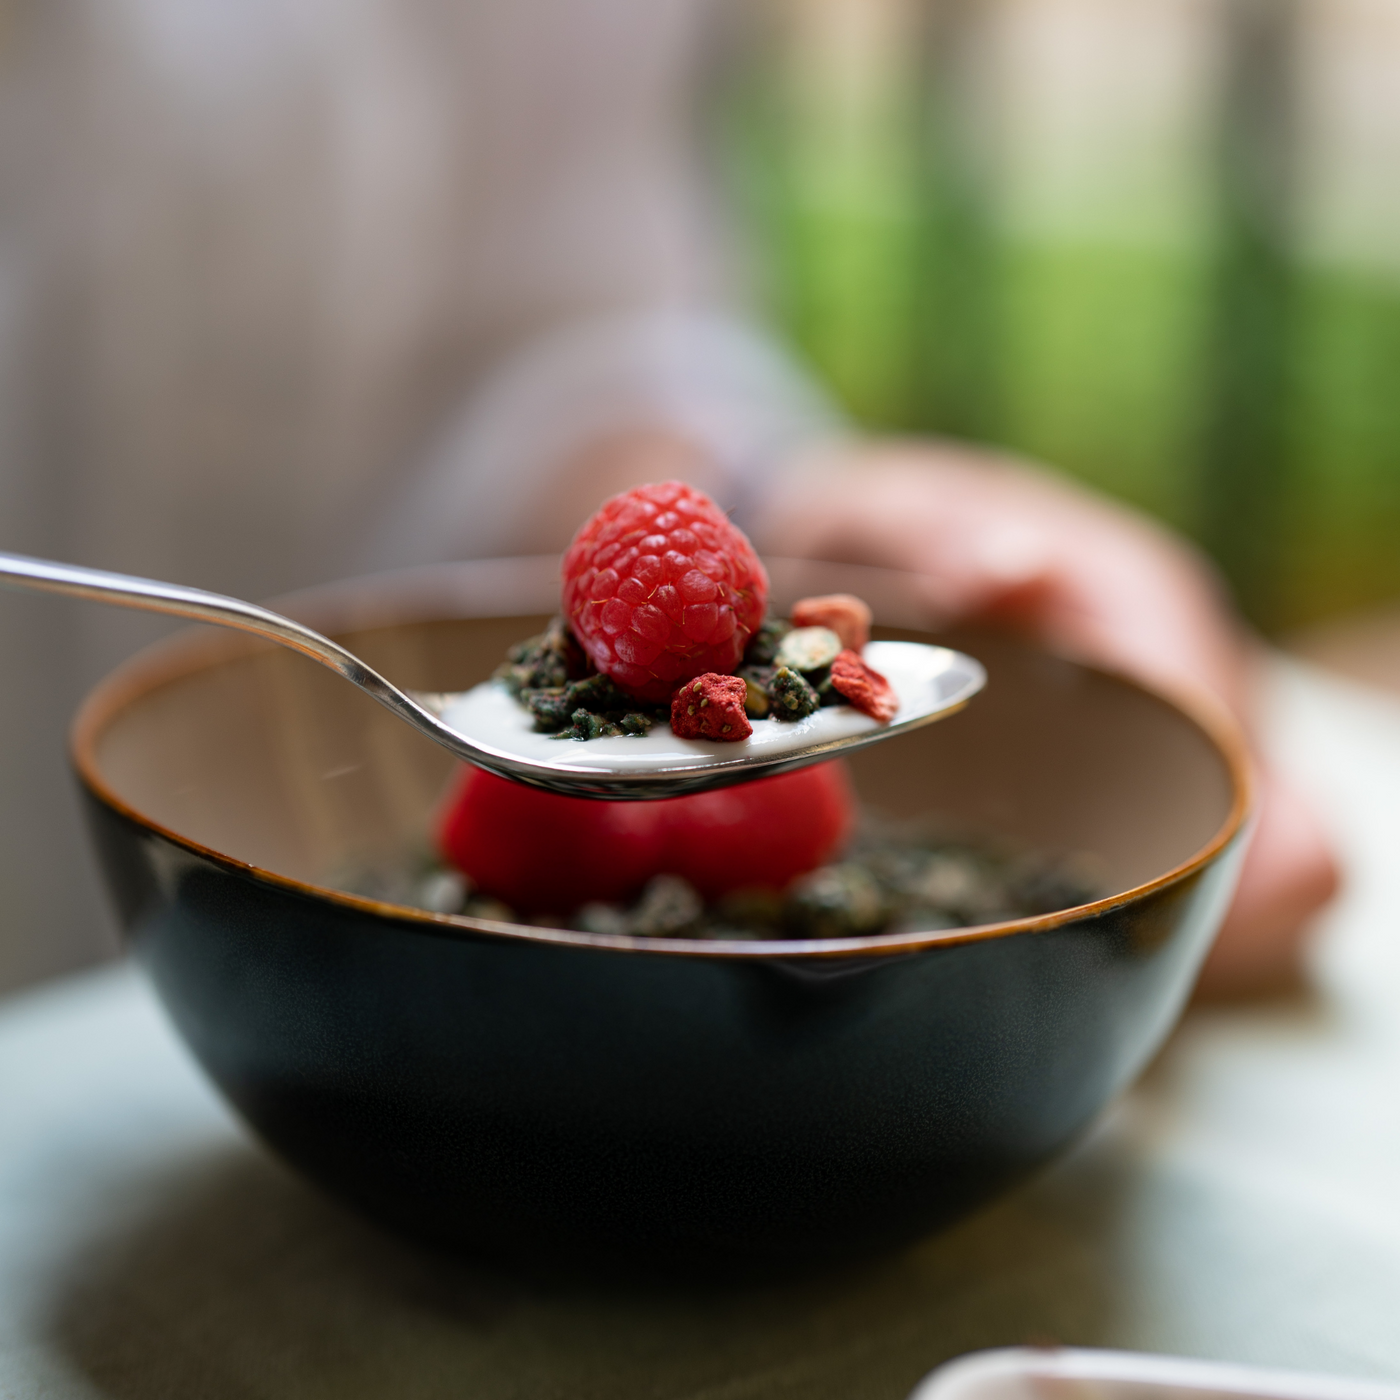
(843, 613)
(864, 687)
(711, 707)
(660, 587)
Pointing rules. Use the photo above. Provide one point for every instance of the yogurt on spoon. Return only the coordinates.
(930, 683)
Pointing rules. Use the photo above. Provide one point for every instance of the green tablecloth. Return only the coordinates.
(1242, 1203)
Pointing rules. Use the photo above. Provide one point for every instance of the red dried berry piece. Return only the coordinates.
(546, 854)
(711, 707)
(843, 613)
(864, 686)
(660, 587)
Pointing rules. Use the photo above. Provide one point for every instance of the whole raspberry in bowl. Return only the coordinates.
(660, 587)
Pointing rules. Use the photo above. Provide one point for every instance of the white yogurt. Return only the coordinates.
(926, 679)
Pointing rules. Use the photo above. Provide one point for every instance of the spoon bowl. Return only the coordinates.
(486, 727)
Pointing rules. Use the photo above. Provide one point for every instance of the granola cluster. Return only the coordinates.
(893, 878)
(554, 680)
(787, 672)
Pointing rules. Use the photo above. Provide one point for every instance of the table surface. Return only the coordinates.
(1243, 1202)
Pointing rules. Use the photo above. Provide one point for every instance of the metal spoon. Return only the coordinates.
(487, 727)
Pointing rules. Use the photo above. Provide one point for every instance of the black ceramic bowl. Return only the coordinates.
(514, 1089)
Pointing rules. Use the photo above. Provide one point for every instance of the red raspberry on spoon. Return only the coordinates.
(660, 587)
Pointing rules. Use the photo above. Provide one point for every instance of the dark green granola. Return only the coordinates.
(791, 695)
(826, 692)
(554, 680)
(837, 901)
(780, 690)
(592, 708)
(588, 725)
(763, 645)
(894, 878)
(546, 662)
(668, 907)
(756, 702)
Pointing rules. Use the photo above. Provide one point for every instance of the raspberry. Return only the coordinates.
(844, 614)
(864, 686)
(711, 707)
(659, 588)
(547, 854)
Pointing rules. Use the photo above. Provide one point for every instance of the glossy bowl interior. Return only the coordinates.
(504, 1087)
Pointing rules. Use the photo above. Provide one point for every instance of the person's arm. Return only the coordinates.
(995, 540)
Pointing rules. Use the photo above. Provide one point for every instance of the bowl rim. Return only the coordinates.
(192, 649)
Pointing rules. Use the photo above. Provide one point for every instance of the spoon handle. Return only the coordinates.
(149, 595)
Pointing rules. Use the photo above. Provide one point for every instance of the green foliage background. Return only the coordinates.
(1242, 392)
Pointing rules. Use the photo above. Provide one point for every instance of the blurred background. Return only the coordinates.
(1155, 243)
(254, 255)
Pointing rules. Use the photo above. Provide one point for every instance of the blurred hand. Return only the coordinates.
(995, 541)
